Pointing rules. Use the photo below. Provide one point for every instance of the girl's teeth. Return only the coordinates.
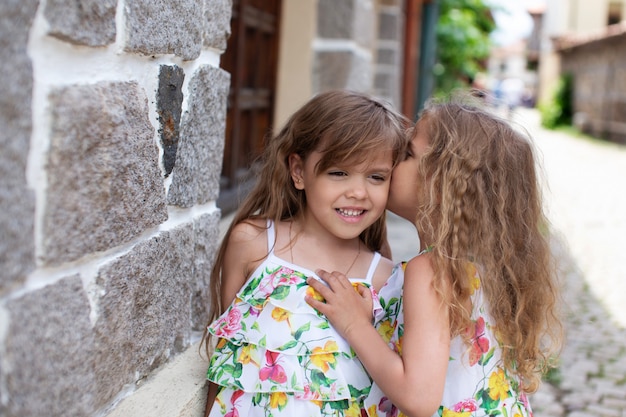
(351, 213)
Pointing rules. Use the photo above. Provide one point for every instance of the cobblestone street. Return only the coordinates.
(586, 199)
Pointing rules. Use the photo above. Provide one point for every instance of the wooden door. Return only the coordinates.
(251, 58)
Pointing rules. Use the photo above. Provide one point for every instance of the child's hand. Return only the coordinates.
(345, 308)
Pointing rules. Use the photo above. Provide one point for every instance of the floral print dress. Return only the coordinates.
(277, 356)
(476, 382)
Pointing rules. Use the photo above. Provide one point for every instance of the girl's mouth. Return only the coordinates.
(350, 212)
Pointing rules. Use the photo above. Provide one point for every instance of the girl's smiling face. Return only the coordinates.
(344, 199)
(405, 180)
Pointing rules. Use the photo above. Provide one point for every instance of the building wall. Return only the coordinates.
(325, 44)
(567, 17)
(113, 116)
(113, 119)
(599, 73)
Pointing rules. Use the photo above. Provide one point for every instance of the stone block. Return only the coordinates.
(49, 352)
(365, 21)
(342, 69)
(158, 27)
(335, 19)
(207, 242)
(217, 14)
(17, 245)
(104, 183)
(196, 174)
(389, 26)
(169, 109)
(387, 56)
(16, 89)
(143, 310)
(88, 22)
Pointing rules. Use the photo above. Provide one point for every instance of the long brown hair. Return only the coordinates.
(345, 126)
(482, 204)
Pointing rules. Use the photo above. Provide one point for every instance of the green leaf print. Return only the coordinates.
(304, 328)
(252, 286)
(488, 403)
(238, 370)
(485, 358)
(280, 293)
(323, 325)
(320, 379)
(358, 393)
(290, 344)
(339, 404)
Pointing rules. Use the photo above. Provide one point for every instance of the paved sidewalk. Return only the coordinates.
(586, 203)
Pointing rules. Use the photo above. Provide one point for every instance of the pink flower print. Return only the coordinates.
(233, 411)
(273, 371)
(466, 405)
(285, 276)
(308, 394)
(229, 325)
(480, 344)
(386, 406)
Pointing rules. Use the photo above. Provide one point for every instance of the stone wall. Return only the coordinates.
(598, 66)
(359, 47)
(113, 116)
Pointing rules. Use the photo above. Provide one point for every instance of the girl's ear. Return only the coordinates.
(296, 169)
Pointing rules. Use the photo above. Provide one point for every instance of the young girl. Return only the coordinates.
(319, 200)
(466, 318)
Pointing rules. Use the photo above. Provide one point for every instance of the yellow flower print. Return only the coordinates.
(220, 343)
(371, 412)
(353, 411)
(280, 314)
(323, 357)
(385, 329)
(498, 385)
(278, 400)
(449, 413)
(472, 274)
(399, 346)
(313, 293)
(248, 355)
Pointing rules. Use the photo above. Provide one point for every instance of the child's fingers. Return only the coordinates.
(316, 304)
(319, 286)
(364, 291)
(334, 279)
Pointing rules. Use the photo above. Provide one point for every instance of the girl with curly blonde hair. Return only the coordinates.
(471, 321)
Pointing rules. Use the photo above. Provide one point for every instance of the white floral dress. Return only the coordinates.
(277, 356)
(476, 383)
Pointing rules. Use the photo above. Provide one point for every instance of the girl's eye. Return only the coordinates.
(337, 173)
(378, 178)
(409, 153)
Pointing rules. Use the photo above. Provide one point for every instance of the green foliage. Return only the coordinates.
(463, 42)
(558, 111)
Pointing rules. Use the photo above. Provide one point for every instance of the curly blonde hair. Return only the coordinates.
(482, 204)
(345, 126)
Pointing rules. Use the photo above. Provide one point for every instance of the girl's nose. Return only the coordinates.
(357, 189)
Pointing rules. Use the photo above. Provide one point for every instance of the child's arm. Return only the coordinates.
(414, 382)
(246, 247)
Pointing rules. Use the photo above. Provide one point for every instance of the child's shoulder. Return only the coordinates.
(382, 272)
(249, 233)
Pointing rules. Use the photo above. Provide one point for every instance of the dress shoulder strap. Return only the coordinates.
(373, 265)
(271, 236)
